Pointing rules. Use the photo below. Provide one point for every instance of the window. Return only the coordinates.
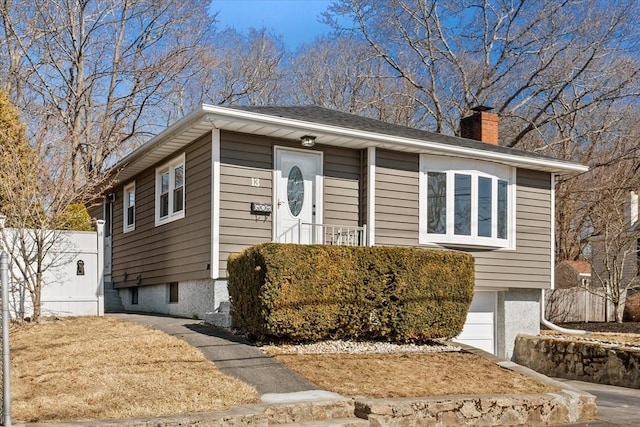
(129, 219)
(134, 296)
(173, 292)
(170, 181)
(466, 202)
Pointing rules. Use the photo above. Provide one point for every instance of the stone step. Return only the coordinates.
(224, 307)
(221, 320)
(336, 422)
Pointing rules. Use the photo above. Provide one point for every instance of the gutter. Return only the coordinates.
(553, 326)
(561, 166)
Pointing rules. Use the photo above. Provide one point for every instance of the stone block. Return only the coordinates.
(469, 410)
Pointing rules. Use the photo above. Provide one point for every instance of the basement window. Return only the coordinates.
(173, 292)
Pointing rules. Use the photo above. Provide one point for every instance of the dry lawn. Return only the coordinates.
(101, 367)
(608, 337)
(409, 374)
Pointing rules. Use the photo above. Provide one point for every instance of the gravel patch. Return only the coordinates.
(356, 347)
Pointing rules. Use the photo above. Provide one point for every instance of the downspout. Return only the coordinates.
(553, 326)
(544, 321)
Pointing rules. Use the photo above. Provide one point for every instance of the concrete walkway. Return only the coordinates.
(235, 356)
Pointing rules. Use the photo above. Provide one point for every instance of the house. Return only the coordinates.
(615, 251)
(224, 178)
(569, 274)
(575, 298)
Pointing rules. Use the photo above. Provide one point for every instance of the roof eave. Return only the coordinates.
(210, 114)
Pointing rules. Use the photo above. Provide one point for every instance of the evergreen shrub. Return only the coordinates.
(308, 293)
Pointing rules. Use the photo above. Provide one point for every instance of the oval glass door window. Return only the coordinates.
(295, 190)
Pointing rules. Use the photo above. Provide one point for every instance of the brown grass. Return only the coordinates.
(409, 374)
(101, 367)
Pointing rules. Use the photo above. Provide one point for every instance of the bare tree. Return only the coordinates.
(344, 73)
(614, 255)
(241, 69)
(36, 202)
(537, 63)
(91, 74)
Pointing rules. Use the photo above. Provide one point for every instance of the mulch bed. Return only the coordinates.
(622, 328)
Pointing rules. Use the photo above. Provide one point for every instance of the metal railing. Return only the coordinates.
(325, 234)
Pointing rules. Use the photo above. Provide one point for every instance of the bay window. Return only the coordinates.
(466, 203)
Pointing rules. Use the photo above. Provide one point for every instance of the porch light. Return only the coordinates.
(308, 141)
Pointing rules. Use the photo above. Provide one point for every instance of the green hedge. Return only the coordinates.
(313, 292)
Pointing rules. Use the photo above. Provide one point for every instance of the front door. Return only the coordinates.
(298, 195)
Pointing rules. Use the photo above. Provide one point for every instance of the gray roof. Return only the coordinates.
(330, 127)
(326, 116)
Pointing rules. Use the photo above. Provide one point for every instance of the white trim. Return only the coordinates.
(100, 265)
(553, 234)
(211, 117)
(215, 204)
(475, 169)
(125, 207)
(170, 167)
(371, 196)
(563, 166)
(513, 209)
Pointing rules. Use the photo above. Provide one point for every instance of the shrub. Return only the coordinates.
(75, 217)
(312, 292)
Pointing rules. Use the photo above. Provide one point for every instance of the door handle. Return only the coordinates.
(280, 202)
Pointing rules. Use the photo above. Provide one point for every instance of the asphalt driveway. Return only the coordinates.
(617, 406)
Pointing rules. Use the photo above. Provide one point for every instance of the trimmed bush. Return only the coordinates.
(312, 292)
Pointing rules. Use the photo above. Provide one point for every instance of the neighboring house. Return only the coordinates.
(575, 298)
(569, 274)
(615, 252)
(222, 179)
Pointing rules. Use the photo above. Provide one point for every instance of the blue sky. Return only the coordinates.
(295, 20)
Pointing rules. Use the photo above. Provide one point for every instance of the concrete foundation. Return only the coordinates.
(196, 298)
(518, 313)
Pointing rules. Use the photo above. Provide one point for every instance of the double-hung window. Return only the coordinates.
(170, 182)
(129, 218)
(466, 203)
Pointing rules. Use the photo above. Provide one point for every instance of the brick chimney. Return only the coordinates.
(481, 125)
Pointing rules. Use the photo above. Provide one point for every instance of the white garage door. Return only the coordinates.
(479, 329)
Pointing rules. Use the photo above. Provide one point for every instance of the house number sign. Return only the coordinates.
(255, 182)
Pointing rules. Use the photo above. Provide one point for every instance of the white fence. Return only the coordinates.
(72, 273)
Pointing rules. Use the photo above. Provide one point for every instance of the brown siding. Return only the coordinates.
(396, 203)
(341, 186)
(397, 222)
(179, 250)
(243, 157)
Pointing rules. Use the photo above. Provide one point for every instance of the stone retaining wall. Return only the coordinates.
(514, 410)
(564, 407)
(583, 360)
